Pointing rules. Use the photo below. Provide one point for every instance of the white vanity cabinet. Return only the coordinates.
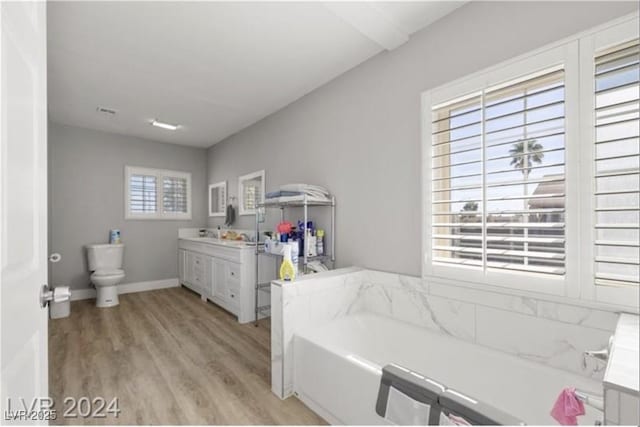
(223, 273)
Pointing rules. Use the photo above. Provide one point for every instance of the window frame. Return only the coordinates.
(248, 177)
(223, 186)
(577, 283)
(159, 174)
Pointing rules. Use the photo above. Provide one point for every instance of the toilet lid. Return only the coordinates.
(107, 272)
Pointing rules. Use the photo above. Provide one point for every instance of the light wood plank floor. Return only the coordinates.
(170, 359)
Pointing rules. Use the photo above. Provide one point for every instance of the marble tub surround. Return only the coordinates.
(308, 301)
(549, 333)
(545, 332)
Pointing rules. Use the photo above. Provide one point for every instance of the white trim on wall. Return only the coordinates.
(128, 288)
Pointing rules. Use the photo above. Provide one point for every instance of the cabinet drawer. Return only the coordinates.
(233, 271)
(233, 295)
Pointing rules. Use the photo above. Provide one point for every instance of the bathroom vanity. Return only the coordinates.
(223, 272)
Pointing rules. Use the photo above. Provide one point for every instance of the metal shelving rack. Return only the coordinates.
(304, 202)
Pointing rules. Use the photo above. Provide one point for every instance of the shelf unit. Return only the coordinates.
(304, 202)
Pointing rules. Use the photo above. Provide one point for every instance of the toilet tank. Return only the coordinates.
(105, 256)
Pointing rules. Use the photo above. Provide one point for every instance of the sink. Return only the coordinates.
(215, 241)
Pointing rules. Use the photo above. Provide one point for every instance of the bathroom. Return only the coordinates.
(182, 150)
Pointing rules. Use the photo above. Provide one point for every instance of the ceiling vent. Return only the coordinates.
(105, 110)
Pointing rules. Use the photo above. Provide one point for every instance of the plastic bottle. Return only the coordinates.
(295, 254)
(320, 241)
(287, 271)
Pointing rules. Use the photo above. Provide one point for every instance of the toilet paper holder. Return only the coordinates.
(48, 294)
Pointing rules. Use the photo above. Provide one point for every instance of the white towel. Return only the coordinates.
(311, 190)
(404, 411)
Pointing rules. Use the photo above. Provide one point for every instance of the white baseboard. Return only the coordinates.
(77, 294)
(127, 288)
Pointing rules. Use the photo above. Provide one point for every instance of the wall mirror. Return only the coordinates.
(250, 192)
(218, 199)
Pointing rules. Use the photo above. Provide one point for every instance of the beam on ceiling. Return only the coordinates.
(372, 22)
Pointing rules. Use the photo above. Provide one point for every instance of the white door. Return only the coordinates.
(23, 202)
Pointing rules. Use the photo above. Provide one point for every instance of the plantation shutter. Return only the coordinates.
(142, 194)
(498, 177)
(174, 194)
(617, 129)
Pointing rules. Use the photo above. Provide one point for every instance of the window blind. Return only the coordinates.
(142, 194)
(617, 131)
(498, 189)
(174, 195)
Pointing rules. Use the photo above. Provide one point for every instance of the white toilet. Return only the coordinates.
(105, 262)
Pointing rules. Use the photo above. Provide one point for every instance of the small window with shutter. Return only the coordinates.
(616, 168)
(157, 194)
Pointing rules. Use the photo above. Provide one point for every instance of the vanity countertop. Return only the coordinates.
(236, 244)
(622, 372)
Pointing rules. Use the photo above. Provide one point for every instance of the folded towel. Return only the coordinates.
(230, 216)
(311, 190)
(403, 410)
(281, 193)
(567, 408)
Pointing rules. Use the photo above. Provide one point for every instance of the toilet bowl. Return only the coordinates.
(105, 262)
(106, 282)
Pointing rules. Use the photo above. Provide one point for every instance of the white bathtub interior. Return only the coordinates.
(337, 370)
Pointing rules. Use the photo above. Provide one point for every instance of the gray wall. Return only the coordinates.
(86, 200)
(359, 135)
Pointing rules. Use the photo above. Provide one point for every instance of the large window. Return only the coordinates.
(532, 171)
(498, 177)
(157, 194)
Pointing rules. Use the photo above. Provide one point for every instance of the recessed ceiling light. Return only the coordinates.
(164, 125)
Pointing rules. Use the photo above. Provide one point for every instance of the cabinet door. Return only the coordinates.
(181, 265)
(218, 278)
(188, 267)
(199, 270)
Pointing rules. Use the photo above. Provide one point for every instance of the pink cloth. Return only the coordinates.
(567, 408)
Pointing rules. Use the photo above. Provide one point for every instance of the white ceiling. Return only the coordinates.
(213, 68)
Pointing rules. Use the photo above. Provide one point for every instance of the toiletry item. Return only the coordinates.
(267, 245)
(202, 232)
(294, 254)
(219, 233)
(310, 242)
(114, 237)
(284, 227)
(320, 241)
(287, 271)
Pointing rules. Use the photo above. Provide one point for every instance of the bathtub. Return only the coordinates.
(337, 370)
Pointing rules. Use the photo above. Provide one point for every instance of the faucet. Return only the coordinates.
(245, 237)
(601, 355)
